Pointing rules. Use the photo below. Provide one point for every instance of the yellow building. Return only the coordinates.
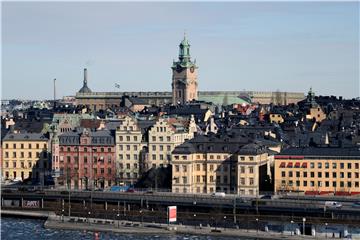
(318, 171)
(25, 156)
(226, 164)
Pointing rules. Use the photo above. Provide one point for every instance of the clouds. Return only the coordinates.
(257, 46)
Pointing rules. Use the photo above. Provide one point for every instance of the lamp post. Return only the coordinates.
(326, 224)
(224, 222)
(257, 226)
(304, 220)
(194, 219)
(89, 217)
(291, 226)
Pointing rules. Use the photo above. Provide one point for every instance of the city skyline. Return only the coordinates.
(238, 46)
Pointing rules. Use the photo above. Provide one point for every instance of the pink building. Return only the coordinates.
(77, 151)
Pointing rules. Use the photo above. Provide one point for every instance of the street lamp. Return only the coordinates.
(257, 226)
(89, 217)
(224, 222)
(326, 224)
(304, 220)
(194, 219)
(291, 230)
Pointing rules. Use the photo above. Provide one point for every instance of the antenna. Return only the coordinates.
(54, 91)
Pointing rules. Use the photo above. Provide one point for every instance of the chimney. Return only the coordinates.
(85, 76)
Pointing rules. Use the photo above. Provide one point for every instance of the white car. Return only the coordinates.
(218, 194)
(333, 205)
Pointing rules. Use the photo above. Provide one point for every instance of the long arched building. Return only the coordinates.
(184, 89)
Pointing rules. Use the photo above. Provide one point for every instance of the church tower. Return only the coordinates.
(184, 77)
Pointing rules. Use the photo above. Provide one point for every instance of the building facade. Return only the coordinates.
(86, 159)
(25, 156)
(210, 164)
(318, 171)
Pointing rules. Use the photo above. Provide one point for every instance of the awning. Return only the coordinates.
(297, 164)
(282, 165)
(304, 165)
(290, 164)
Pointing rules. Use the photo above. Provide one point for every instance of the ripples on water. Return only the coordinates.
(27, 229)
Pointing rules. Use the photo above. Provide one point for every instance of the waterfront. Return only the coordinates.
(26, 229)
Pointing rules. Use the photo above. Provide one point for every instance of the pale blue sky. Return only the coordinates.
(252, 46)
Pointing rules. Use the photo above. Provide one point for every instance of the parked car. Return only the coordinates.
(332, 205)
(218, 194)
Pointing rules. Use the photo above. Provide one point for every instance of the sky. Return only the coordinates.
(258, 46)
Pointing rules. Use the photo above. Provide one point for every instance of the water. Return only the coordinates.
(27, 229)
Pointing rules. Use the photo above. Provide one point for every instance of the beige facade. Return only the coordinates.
(276, 118)
(24, 156)
(317, 174)
(164, 136)
(128, 150)
(250, 169)
(316, 113)
(208, 172)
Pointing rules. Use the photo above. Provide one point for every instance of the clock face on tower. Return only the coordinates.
(192, 69)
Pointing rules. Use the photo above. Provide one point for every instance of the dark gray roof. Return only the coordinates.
(252, 149)
(100, 137)
(322, 151)
(25, 137)
(212, 144)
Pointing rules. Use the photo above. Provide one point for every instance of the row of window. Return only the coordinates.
(128, 138)
(96, 159)
(161, 148)
(23, 164)
(22, 145)
(22, 154)
(70, 171)
(121, 166)
(202, 167)
(348, 184)
(71, 149)
(321, 174)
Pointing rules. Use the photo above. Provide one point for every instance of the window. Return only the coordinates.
(297, 174)
(198, 179)
(211, 167)
(14, 145)
(121, 157)
(184, 168)
(22, 165)
(22, 146)
(251, 181)
(127, 156)
(342, 165)
(6, 146)
(197, 167)
(341, 174)
(225, 179)
(153, 157)
(349, 174)
(128, 166)
(290, 174)
(154, 147)
(305, 183)
(326, 165)
(168, 148)
(334, 174)
(312, 165)
(128, 147)
(211, 178)
(312, 174)
(349, 165)
(319, 174)
(121, 138)
(312, 183)
(356, 165)
(251, 170)
(319, 165)
(135, 148)
(161, 148)
(242, 169)
(135, 138)
(326, 183)
(176, 168)
(283, 174)
(326, 174)
(154, 139)
(102, 150)
(161, 139)
(334, 165)
(168, 138)
(128, 138)
(135, 157)
(251, 158)
(242, 181)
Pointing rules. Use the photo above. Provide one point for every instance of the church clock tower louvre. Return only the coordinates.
(184, 77)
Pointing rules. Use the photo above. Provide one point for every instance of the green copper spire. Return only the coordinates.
(184, 50)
